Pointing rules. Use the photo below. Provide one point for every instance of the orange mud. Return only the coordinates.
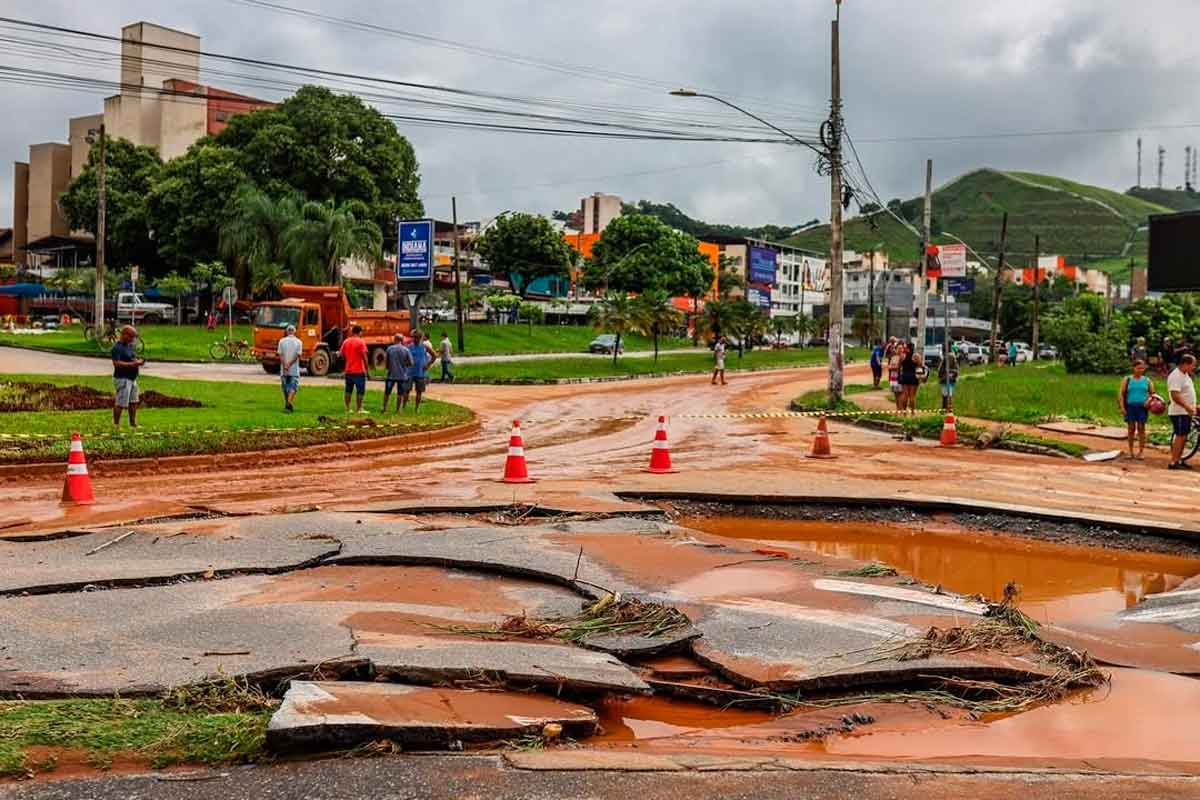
(1058, 582)
(641, 718)
(64, 763)
(674, 668)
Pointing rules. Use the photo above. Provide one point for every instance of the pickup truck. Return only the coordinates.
(133, 307)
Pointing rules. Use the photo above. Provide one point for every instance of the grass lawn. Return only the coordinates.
(702, 361)
(191, 342)
(229, 420)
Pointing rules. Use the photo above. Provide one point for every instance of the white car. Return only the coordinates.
(135, 308)
(972, 354)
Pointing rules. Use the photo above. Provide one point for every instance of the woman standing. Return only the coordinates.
(1134, 397)
(877, 362)
(909, 379)
(894, 371)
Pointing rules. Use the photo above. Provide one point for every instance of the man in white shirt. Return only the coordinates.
(289, 350)
(1182, 407)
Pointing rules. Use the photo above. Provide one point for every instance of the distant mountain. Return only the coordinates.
(1086, 224)
(1174, 199)
(671, 215)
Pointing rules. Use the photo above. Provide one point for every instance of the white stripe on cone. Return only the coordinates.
(76, 446)
(516, 451)
(77, 469)
(661, 444)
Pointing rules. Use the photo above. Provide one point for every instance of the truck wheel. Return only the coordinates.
(318, 365)
(152, 319)
(271, 367)
(378, 359)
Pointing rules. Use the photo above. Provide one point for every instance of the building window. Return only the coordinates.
(222, 116)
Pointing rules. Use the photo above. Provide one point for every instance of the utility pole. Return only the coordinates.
(1037, 293)
(923, 291)
(996, 285)
(871, 294)
(836, 311)
(1139, 178)
(1187, 168)
(101, 210)
(458, 306)
(1162, 151)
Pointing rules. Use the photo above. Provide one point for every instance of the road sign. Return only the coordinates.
(954, 260)
(414, 255)
(133, 274)
(229, 295)
(959, 286)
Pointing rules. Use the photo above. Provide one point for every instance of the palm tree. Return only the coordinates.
(256, 231)
(325, 235)
(782, 326)
(804, 326)
(615, 314)
(718, 318)
(267, 279)
(654, 315)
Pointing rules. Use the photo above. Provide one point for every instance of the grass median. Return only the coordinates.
(557, 369)
(231, 417)
(192, 342)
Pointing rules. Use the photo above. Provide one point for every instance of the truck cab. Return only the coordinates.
(135, 308)
(272, 319)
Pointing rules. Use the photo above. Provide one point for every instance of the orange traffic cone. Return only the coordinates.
(660, 456)
(949, 432)
(514, 466)
(820, 447)
(78, 487)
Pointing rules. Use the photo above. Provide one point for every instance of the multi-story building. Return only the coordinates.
(161, 105)
(598, 210)
(783, 280)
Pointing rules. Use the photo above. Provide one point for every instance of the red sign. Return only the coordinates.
(933, 265)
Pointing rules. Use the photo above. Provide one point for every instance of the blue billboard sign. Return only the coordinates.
(763, 261)
(414, 257)
(759, 296)
(959, 286)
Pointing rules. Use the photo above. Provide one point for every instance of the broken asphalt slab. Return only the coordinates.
(345, 714)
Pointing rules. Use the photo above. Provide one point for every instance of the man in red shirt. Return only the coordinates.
(354, 356)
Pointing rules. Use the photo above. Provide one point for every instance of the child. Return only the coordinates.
(1134, 396)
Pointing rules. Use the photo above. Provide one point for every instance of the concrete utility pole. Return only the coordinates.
(1187, 167)
(1037, 294)
(1162, 151)
(1139, 178)
(458, 305)
(871, 294)
(923, 291)
(996, 285)
(101, 210)
(836, 311)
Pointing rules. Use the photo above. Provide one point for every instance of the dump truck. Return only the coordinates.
(323, 319)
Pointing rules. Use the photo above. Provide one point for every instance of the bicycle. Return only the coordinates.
(105, 341)
(1192, 445)
(231, 350)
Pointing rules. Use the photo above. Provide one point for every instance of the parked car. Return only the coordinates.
(971, 354)
(134, 307)
(1047, 351)
(933, 357)
(604, 343)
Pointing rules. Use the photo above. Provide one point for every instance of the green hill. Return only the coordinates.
(673, 216)
(1174, 199)
(1087, 224)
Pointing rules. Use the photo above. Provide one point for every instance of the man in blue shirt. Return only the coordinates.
(399, 360)
(422, 358)
(125, 374)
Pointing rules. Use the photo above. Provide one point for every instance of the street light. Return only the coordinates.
(723, 101)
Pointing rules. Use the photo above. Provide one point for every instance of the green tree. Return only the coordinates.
(188, 203)
(718, 318)
(256, 228)
(267, 280)
(130, 173)
(616, 314)
(177, 287)
(637, 253)
(729, 277)
(532, 313)
(325, 235)
(524, 248)
(782, 326)
(210, 278)
(327, 146)
(861, 327)
(654, 316)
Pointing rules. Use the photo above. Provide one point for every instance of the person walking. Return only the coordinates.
(719, 361)
(289, 349)
(422, 356)
(877, 362)
(354, 359)
(444, 356)
(947, 378)
(399, 359)
(1182, 408)
(895, 354)
(126, 365)
(1012, 354)
(1167, 354)
(1134, 399)
(1138, 351)
(909, 380)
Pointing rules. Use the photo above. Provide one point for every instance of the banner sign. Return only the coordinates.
(414, 257)
(763, 261)
(959, 286)
(954, 260)
(759, 296)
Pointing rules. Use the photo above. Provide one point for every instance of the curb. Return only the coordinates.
(291, 455)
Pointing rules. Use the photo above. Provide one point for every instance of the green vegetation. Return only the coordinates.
(673, 217)
(524, 248)
(163, 342)
(153, 732)
(535, 371)
(818, 399)
(231, 419)
(1173, 199)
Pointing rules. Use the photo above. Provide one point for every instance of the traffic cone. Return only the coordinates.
(660, 456)
(514, 466)
(78, 486)
(949, 432)
(820, 446)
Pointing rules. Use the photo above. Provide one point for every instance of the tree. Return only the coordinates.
(615, 314)
(130, 173)
(175, 286)
(532, 313)
(210, 278)
(524, 248)
(861, 327)
(325, 235)
(327, 146)
(256, 228)
(267, 280)
(188, 203)
(782, 326)
(718, 317)
(750, 323)
(637, 253)
(654, 316)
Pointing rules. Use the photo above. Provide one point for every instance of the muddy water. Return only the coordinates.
(1058, 582)
(642, 718)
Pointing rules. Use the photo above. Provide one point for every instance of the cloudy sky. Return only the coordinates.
(912, 70)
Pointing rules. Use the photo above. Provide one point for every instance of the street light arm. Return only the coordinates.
(722, 101)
